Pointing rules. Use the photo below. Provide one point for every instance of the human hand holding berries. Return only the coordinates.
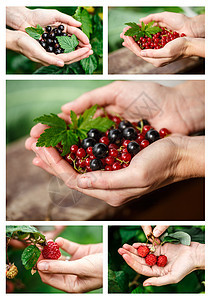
(182, 260)
(81, 274)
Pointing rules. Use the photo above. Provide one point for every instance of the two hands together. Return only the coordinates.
(18, 40)
(192, 44)
(182, 259)
(177, 157)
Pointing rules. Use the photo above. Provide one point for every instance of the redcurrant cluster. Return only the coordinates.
(114, 149)
(49, 39)
(158, 40)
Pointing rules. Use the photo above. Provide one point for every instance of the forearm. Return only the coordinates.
(16, 17)
(195, 47)
(198, 26)
(191, 153)
(198, 255)
(191, 104)
(11, 40)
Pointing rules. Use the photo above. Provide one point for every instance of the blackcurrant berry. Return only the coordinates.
(95, 164)
(100, 150)
(152, 135)
(49, 41)
(88, 142)
(43, 44)
(63, 34)
(56, 46)
(130, 133)
(52, 35)
(55, 31)
(48, 28)
(61, 27)
(133, 148)
(124, 124)
(49, 49)
(59, 32)
(145, 122)
(45, 35)
(115, 136)
(58, 51)
(95, 134)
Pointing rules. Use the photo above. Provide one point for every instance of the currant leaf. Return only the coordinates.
(68, 43)
(51, 120)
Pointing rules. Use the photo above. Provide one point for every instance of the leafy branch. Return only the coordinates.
(143, 30)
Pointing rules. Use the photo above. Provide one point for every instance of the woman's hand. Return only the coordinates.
(81, 274)
(182, 260)
(157, 232)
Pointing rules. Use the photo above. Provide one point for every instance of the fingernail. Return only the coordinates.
(43, 266)
(147, 284)
(60, 63)
(68, 105)
(156, 232)
(84, 182)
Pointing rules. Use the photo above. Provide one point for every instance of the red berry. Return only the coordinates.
(82, 163)
(106, 133)
(164, 132)
(81, 153)
(92, 156)
(116, 120)
(124, 150)
(144, 144)
(113, 153)
(89, 150)
(88, 169)
(104, 140)
(140, 137)
(151, 259)
(116, 166)
(87, 162)
(145, 129)
(112, 146)
(126, 157)
(74, 149)
(125, 165)
(103, 161)
(51, 251)
(162, 261)
(108, 168)
(70, 157)
(109, 160)
(125, 143)
(183, 34)
(143, 251)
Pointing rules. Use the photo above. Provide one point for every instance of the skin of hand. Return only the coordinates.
(157, 231)
(182, 260)
(81, 274)
(20, 17)
(174, 158)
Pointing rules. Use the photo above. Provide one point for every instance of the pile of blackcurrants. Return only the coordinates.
(49, 39)
(114, 149)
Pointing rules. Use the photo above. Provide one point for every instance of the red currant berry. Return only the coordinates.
(112, 146)
(108, 168)
(116, 166)
(183, 34)
(92, 156)
(126, 157)
(89, 150)
(140, 137)
(125, 143)
(81, 153)
(88, 169)
(144, 144)
(113, 153)
(116, 120)
(125, 165)
(70, 157)
(103, 161)
(109, 160)
(106, 133)
(74, 149)
(82, 163)
(104, 140)
(87, 162)
(164, 132)
(145, 129)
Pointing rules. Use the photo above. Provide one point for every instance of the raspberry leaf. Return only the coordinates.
(35, 32)
(68, 43)
(30, 256)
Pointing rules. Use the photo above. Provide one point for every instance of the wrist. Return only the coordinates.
(198, 255)
(195, 47)
(191, 157)
(197, 25)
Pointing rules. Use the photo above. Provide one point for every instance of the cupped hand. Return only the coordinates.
(182, 260)
(81, 274)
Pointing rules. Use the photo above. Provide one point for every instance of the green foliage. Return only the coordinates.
(35, 32)
(120, 272)
(68, 43)
(30, 256)
(27, 232)
(140, 31)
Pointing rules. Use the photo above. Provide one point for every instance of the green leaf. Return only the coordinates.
(133, 25)
(83, 16)
(50, 70)
(102, 124)
(35, 33)
(73, 118)
(76, 68)
(51, 120)
(169, 239)
(21, 232)
(89, 64)
(138, 290)
(145, 29)
(68, 139)
(89, 113)
(183, 237)
(51, 137)
(30, 256)
(97, 47)
(132, 32)
(118, 282)
(68, 43)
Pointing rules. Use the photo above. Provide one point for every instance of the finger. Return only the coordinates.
(86, 55)
(158, 17)
(66, 57)
(135, 257)
(50, 59)
(136, 245)
(147, 230)
(158, 230)
(61, 17)
(130, 249)
(158, 281)
(79, 34)
(121, 179)
(37, 130)
(67, 246)
(41, 164)
(55, 281)
(138, 267)
(29, 142)
(103, 96)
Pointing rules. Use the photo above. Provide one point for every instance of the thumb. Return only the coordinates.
(158, 230)
(120, 179)
(158, 281)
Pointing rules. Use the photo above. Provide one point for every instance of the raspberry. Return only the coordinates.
(151, 259)
(11, 271)
(143, 251)
(51, 251)
(162, 261)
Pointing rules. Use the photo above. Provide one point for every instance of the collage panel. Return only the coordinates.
(54, 259)
(156, 40)
(54, 40)
(133, 158)
(156, 259)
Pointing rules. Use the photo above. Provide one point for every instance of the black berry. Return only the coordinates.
(145, 122)
(96, 164)
(50, 49)
(95, 134)
(88, 142)
(115, 136)
(130, 133)
(152, 135)
(124, 124)
(100, 150)
(133, 148)
(48, 28)
(45, 35)
(61, 27)
(59, 32)
(58, 51)
(43, 44)
(49, 41)
(52, 35)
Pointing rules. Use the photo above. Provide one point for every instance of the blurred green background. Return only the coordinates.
(27, 99)
(122, 278)
(24, 282)
(20, 64)
(118, 16)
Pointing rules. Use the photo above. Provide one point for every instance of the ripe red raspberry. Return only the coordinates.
(162, 261)
(151, 259)
(51, 250)
(143, 251)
